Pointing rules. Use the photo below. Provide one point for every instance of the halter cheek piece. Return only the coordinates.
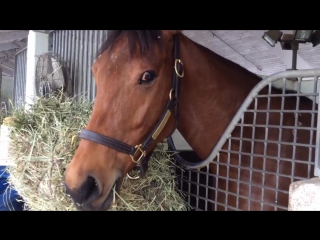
(138, 153)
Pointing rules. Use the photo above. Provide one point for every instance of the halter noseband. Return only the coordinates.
(172, 106)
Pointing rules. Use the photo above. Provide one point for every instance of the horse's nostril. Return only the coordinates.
(89, 188)
(88, 191)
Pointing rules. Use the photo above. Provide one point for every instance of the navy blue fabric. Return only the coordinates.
(8, 196)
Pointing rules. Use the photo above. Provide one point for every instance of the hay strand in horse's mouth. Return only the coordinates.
(43, 141)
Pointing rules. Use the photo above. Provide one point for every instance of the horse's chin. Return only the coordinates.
(112, 198)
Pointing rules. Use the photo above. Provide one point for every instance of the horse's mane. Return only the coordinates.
(144, 39)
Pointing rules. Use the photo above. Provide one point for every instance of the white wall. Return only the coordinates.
(37, 45)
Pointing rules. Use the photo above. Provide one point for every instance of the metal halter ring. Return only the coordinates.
(133, 178)
(170, 94)
(176, 67)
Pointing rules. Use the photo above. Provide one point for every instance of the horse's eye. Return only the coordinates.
(147, 77)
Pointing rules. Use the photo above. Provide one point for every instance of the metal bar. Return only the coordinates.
(228, 170)
(77, 64)
(317, 155)
(85, 65)
(261, 156)
(288, 95)
(265, 147)
(275, 142)
(282, 111)
(294, 59)
(90, 60)
(276, 126)
(72, 62)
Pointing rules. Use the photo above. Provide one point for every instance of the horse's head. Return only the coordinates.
(132, 112)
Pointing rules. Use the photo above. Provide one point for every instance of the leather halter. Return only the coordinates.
(138, 153)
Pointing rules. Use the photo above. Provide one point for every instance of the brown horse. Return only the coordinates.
(137, 103)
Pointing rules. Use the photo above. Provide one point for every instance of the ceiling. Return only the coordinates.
(11, 41)
(248, 49)
(245, 47)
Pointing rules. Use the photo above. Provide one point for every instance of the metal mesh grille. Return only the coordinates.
(78, 49)
(272, 145)
(20, 75)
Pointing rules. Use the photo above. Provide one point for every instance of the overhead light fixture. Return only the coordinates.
(287, 42)
(302, 35)
(272, 37)
(315, 38)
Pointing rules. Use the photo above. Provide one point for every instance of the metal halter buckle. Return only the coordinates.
(143, 153)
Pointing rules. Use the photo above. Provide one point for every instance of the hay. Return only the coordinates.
(43, 141)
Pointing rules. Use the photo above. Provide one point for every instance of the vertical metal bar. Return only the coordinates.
(189, 186)
(252, 151)
(317, 155)
(294, 59)
(97, 45)
(72, 61)
(315, 87)
(207, 189)
(239, 160)
(216, 180)
(62, 45)
(279, 139)
(85, 82)
(90, 47)
(65, 57)
(80, 78)
(58, 46)
(296, 115)
(182, 181)
(68, 51)
(69, 34)
(228, 175)
(265, 147)
(77, 62)
(197, 197)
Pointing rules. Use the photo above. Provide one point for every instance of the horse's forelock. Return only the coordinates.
(143, 39)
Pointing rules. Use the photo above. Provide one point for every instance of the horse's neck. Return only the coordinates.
(212, 90)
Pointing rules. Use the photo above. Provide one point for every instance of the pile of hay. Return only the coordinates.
(43, 141)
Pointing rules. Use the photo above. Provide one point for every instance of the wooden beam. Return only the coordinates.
(11, 60)
(11, 36)
(8, 55)
(285, 55)
(6, 71)
(20, 44)
(8, 64)
(5, 74)
(7, 46)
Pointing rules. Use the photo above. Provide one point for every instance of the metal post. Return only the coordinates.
(294, 59)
